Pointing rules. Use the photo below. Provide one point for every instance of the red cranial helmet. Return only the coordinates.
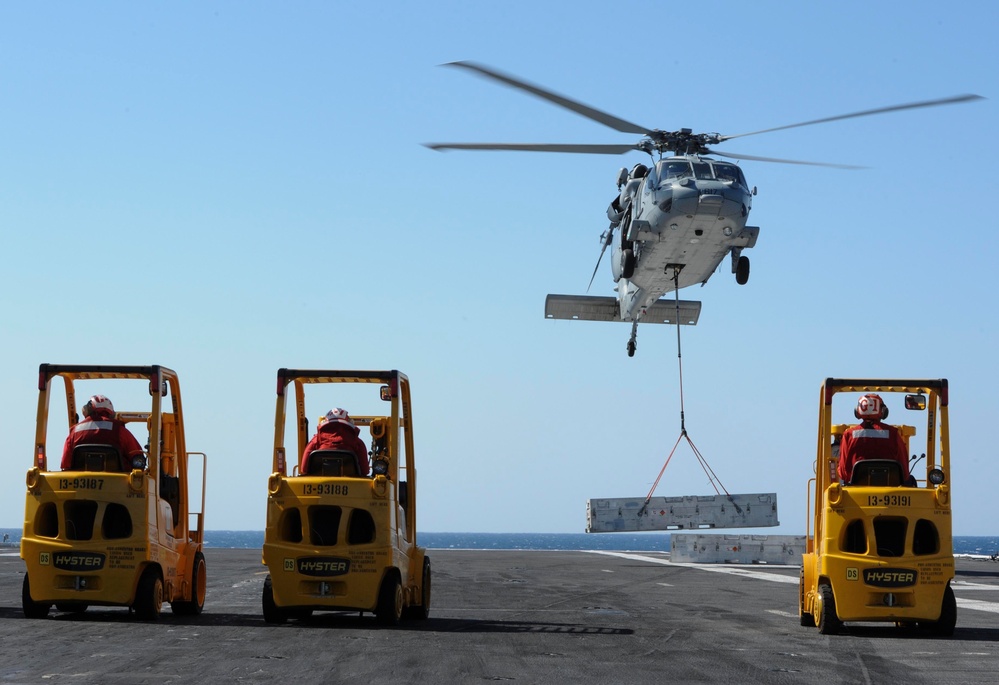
(871, 407)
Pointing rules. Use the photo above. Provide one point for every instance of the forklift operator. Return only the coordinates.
(99, 426)
(871, 439)
(337, 432)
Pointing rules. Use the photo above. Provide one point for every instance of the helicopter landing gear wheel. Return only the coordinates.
(628, 263)
(631, 348)
(633, 342)
(742, 271)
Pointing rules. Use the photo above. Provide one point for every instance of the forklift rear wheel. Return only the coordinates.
(389, 609)
(421, 612)
(31, 608)
(829, 623)
(806, 619)
(944, 626)
(272, 614)
(149, 595)
(199, 587)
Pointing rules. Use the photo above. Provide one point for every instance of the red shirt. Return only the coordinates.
(101, 430)
(334, 435)
(871, 440)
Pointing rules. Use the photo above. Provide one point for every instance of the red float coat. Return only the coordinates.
(334, 435)
(101, 429)
(871, 440)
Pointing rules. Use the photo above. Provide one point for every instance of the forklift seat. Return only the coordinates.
(878, 473)
(332, 464)
(90, 457)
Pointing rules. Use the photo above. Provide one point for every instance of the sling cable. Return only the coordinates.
(712, 477)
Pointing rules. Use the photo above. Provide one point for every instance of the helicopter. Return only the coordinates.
(675, 220)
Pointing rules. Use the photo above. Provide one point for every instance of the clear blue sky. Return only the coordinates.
(226, 188)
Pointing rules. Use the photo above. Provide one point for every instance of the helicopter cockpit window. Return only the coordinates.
(729, 172)
(702, 171)
(673, 169)
(652, 179)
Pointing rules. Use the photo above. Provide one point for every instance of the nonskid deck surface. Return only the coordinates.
(511, 616)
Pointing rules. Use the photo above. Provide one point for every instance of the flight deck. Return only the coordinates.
(510, 616)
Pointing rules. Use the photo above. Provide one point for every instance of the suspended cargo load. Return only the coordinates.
(716, 548)
(631, 514)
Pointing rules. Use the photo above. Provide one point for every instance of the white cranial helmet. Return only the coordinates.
(338, 415)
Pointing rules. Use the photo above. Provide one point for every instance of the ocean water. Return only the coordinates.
(638, 542)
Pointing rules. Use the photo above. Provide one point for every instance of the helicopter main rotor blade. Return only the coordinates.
(538, 147)
(607, 242)
(782, 161)
(560, 100)
(880, 110)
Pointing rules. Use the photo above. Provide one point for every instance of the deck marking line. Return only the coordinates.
(730, 570)
(978, 605)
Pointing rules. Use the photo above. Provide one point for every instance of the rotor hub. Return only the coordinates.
(683, 142)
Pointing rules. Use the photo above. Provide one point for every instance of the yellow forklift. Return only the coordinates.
(112, 529)
(337, 539)
(880, 548)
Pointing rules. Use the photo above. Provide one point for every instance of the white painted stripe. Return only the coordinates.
(963, 585)
(714, 568)
(978, 605)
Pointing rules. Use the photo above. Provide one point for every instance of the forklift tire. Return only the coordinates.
(805, 619)
(421, 612)
(31, 608)
(149, 595)
(944, 626)
(272, 614)
(390, 601)
(829, 623)
(199, 587)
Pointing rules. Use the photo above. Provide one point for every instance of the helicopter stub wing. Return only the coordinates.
(664, 311)
(596, 308)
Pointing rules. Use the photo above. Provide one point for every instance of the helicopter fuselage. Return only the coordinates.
(678, 221)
